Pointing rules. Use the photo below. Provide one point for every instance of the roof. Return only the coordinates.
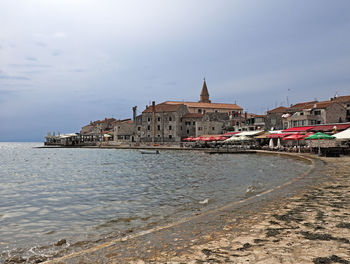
(193, 115)
(280, 109)
(302, 105)
(206, 105)
(298, 129)
(319, 105)
(342, 99)
(163, 107)
(328, 128)
(204, 91)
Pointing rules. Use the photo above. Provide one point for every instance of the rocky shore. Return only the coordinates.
(307, 221)
(313, 227)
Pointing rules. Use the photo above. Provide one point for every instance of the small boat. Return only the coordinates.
(149, 151)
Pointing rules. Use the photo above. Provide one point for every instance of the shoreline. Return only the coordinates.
(206, 232)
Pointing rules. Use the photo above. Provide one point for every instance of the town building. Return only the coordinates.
(309, 113)
(96, 131)
(124, 130)
(171, 121)
(345, 101)
(274, 118)
(317, 113)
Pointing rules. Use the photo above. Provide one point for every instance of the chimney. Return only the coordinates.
(153, 121)
(134, 113)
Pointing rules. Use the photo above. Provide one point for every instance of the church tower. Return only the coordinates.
(204, 97)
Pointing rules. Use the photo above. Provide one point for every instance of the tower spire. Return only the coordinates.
(204, 96)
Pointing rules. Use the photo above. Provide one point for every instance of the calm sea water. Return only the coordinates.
(90, 194)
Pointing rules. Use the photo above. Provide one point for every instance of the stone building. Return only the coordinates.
(171, 121)
(274, 118)
(254, 122)
(161, 123)
(317, 113)
(212, 124)
(124, 130)
(345, 101)
(96, 129)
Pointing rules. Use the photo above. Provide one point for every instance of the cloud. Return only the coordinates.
(11, 77)
(59, 35)
(31, 58)
(30, 65)
(170, 83)
(4, 94)
(41, 44)
(56, 53)
(78, 70)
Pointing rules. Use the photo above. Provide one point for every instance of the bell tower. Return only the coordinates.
(204, 97)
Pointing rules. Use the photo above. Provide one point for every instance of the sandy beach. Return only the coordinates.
(304, 221)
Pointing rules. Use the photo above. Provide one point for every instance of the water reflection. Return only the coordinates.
(79, 194)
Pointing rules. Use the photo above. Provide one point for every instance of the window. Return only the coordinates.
(187, 123)
(158, 127)
(347, 112)
(148, 127)
(181, 128)
(138, 128)
(170, 136)
(213, 128)
(158, 136)
(158, 119)
(170, 127)
(199, 128)
(216, 111)
(149, 119)
(199, 110)
(317, 112)
(194, 123)
(170, 118)
(188, 131)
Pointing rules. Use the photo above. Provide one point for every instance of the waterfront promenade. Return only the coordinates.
(304, 221)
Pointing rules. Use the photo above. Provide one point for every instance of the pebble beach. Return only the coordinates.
(305, 221)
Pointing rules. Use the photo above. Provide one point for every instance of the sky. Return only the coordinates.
(64, 63)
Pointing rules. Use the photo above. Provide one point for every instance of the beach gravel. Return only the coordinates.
(310, 226)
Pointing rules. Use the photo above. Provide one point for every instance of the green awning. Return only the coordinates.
(320, 135)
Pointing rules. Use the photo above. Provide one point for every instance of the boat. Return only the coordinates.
(149, 151)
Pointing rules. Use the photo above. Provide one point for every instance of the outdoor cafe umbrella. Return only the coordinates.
(296, 137)
(319, 136)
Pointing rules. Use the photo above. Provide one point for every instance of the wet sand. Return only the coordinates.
(304, 221)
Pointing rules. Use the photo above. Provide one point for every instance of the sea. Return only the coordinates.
(86, 196)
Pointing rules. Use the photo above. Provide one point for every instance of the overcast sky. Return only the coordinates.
(66, 62)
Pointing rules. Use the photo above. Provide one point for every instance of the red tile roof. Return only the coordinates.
(342, 99)
(207, 105)
(280, 109)
(319, 105)
(302, 105)
(163, 107)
